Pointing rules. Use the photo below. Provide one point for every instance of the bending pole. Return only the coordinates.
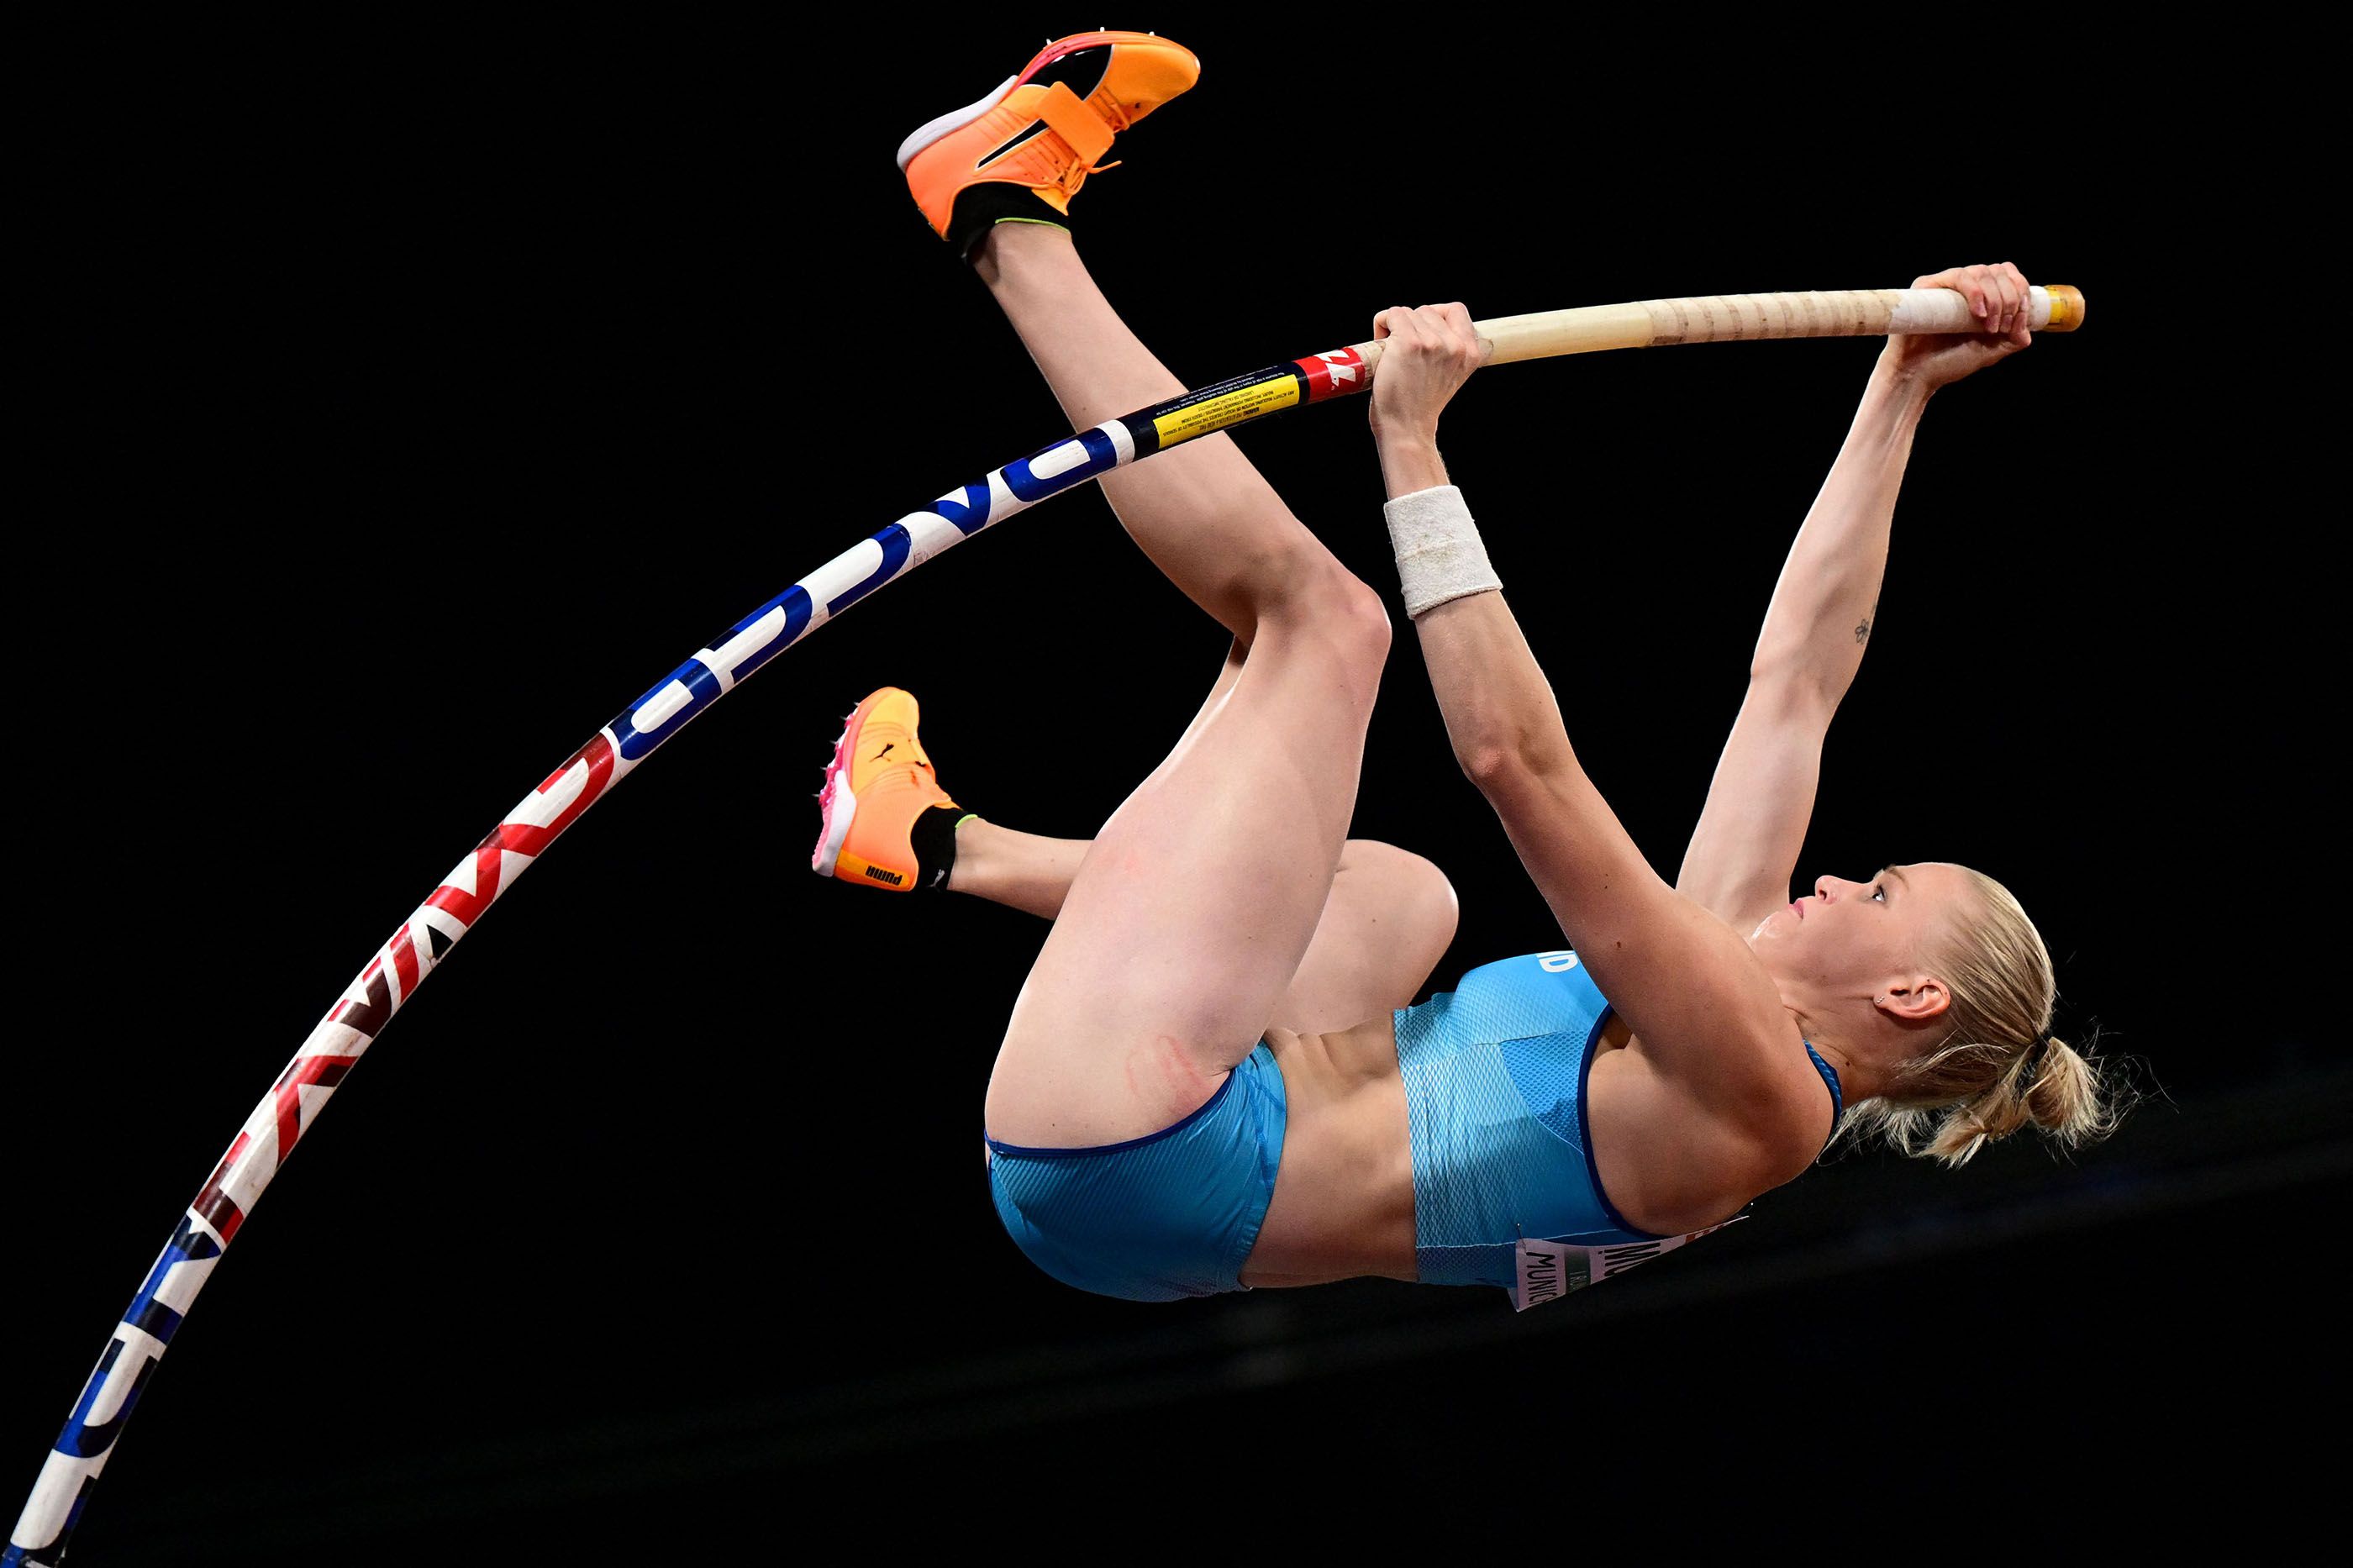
(293, 1103)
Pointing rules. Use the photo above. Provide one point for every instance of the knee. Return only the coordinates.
(1367, 618)
(1432, 905)
(1340, 612)
(1415, 898)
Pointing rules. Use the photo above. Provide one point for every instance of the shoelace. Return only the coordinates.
(1119, 122)
(1090, 168)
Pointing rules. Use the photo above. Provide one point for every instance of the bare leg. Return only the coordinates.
(1033, 874)
(1385, 924)
(1388, 918)
(1020, 870)
(1186, 922)
(1200, 513)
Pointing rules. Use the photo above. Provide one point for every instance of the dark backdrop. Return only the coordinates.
(425, 399)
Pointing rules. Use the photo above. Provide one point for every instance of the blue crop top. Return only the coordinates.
(1505, 1190)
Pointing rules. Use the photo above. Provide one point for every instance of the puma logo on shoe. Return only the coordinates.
(880, 875)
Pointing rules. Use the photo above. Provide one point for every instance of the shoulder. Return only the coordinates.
(1712, 1028)
(1674, 1158)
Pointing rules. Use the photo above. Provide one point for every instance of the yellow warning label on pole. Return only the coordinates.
(1213, 413)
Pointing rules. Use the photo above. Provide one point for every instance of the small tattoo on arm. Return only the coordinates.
(1863, 626)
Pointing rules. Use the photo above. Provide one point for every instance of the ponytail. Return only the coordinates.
(1999, 1068)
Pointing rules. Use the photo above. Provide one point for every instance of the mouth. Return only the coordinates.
(1798, 907)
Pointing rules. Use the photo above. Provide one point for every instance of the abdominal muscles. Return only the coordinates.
(1343, 1202)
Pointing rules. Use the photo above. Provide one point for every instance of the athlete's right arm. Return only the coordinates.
(1709, 1016)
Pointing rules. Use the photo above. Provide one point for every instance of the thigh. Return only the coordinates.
(1189, 916)
(1388, 920)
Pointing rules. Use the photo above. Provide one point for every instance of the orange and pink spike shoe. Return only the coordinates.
(1044, 131)
(877, 788)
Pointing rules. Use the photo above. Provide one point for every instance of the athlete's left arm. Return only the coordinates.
(1746, 846)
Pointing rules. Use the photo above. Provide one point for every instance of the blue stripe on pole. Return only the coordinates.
(970, 514)
(82, 1438)
(704, 689)
(188, 1245)
(1102, 456)
(896, 542)
(795, 601)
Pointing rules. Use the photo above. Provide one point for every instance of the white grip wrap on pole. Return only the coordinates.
(1745, 317)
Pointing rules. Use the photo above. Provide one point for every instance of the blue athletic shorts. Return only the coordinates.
(1157, 1219)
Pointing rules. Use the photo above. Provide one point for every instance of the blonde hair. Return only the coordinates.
(1997, 1068)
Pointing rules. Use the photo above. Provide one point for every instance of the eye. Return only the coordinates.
(1880, 892)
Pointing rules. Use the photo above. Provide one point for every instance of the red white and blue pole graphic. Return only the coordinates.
(368, 1003)
(287, 1113)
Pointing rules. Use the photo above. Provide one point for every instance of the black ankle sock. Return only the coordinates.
(981, 207)
(934, 836)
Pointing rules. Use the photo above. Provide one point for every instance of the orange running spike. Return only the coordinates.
(1047, 128)
(879, 782)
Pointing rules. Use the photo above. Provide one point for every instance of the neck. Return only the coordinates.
(1858, 1076)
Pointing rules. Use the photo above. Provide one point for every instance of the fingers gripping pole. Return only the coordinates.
(288, 1111)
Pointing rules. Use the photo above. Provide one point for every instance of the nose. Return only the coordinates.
(1824, 887)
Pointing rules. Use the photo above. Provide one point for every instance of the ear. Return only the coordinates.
(1914, 999)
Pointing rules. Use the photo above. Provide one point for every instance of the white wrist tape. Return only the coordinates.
(1439, 555)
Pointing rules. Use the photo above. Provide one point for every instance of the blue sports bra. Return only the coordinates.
(1505, 1186)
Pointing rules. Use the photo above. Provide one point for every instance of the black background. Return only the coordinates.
(424, 399)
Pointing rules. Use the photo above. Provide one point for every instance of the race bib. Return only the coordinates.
(1548, 1271)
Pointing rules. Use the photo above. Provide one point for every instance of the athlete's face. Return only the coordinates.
(1865, 938)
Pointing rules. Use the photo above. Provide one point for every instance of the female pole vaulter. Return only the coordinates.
(1214, 1079)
